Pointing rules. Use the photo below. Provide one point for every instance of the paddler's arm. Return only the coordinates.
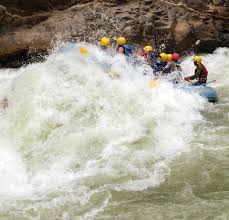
(195, 76)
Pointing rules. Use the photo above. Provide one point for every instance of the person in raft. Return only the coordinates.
(121, 42)
(121, 49)
(172, 63)
(200, 74)
(147, 54)
(104, 43)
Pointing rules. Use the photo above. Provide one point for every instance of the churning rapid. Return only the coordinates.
(75, 144)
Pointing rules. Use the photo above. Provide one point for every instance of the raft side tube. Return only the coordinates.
(204, 91)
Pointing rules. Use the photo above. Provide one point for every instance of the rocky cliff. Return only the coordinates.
(28, 29)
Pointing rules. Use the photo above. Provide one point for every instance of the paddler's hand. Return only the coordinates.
(187, 79)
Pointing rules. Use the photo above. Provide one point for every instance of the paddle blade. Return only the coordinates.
(83, 50)
(113, 74)
(154, 83)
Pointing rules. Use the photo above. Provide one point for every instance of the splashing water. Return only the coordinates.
(75, 144)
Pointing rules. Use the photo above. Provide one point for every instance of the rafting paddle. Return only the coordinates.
(210, 82)
(154, 83)
(83, 50)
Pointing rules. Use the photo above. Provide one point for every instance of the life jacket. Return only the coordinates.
(170, 67)
(203, 73)
(128, 49)
(161, 65)
(147, 58)
(153, 59)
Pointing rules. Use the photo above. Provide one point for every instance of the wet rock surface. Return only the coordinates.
(29, 29)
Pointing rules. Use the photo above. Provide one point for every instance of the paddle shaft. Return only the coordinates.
(210, 82)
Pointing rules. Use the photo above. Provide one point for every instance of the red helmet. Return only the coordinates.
(175, 57)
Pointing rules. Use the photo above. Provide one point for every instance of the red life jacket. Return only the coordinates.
(203, 73)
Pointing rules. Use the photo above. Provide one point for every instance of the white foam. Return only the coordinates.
(72, 125)
(14, 179)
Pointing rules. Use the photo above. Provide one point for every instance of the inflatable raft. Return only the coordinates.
(204, 91)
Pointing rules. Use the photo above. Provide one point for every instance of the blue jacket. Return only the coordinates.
(128, 49)
(158, 66)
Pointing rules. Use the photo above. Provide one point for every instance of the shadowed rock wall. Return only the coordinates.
(28, 29)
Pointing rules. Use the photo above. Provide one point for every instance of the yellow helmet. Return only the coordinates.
(169, 57)
(104, 41)
(163, 57)
(197, 59)
(148, 49)
(121, 40)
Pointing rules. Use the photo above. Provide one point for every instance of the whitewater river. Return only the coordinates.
(75, 144)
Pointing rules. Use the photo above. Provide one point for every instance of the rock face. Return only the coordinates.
(28, 29)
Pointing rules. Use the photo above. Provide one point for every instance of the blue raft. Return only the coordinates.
(204, 91)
